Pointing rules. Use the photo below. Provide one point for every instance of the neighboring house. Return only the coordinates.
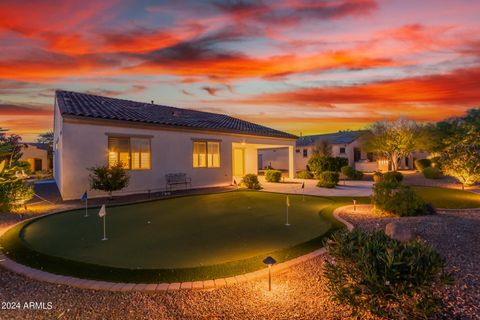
(153, 140)
(345, 144)
(37, 155)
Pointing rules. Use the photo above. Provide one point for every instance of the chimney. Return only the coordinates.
(152, 101)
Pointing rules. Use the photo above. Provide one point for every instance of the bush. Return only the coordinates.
(377, 176)
(421, 164)
(273, 175)
(393, 197)
(108, 179)
(251, 181)
(351, 173)
(13, 193)
(23, 165)
(328, 179)
(431, 173)
(394, 176)
(374, 273)
(319, 164)
(44, 175)
(436, 162)
(304, 175)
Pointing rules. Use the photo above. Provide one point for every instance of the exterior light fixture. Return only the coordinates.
(270, 262)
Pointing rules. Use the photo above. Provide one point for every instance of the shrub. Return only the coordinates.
(351, 173)
(328, 179)
(273, 175)
(320, 164)
(251, 181)
(304, 175)
(13, 193)
(377, 176)
(432, 173)
(108, 179)
(392, 176)
(23, 165)
(421, 164)
(374, 273)
(393, 197)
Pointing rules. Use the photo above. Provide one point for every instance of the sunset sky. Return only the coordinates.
(297, 65)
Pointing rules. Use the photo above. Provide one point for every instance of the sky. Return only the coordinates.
(301, 66)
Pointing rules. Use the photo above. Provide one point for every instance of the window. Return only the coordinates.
(297, 150)
(206, 154)
(305, 153)
(132, 153)
(342, 150)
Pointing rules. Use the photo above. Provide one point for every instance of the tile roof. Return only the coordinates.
(93, 106)
(341, 137)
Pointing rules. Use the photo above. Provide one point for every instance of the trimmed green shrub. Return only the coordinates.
(320, 164)
(304, 175)
(431, 173)
(108, 179)
(376, 274)
(328, 179)
(392, 197)
(421, 164)
(251, 181)
(351, 173)
(273, 175)
(13, 193)
(392, 176)
(377, 176)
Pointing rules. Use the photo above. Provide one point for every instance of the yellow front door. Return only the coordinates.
(238, 162)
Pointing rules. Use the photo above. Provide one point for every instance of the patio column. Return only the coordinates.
(291, 162)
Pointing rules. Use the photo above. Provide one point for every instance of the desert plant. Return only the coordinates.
(431, 173)
(377, 176)
(23, 166)
(273, 175)
(251, 181)
(108, 178)
(351, 173)
(421, 164)
(13, 190)
(376, 274)
(392, 197)
(304, 175)
(328, 179)
(392, 176)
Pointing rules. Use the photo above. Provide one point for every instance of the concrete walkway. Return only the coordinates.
(344, 189)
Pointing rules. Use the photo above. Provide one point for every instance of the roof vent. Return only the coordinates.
(152, 101)
(176, 113)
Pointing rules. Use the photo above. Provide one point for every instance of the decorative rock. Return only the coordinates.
(398, 231)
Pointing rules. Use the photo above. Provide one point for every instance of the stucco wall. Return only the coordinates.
(31, 152)
(85, 145)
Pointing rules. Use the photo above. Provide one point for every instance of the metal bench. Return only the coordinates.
(174, 179)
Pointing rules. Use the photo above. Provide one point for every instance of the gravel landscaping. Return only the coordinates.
(455, 234)
(299, 293)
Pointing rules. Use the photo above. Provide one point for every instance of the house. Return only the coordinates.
(347, 144)
(37, 154)
(153, 140)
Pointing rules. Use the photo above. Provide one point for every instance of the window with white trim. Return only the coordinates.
(132, 153)
(206, 154)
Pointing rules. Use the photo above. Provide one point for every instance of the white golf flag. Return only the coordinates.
(102, 212)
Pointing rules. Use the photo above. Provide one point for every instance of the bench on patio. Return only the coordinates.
(174, 179)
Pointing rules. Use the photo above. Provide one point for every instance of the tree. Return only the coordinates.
(322, 148)
(14, 191)
(10, 148)
(46, 138)
(108, 179)
(461, 157)
(393, 139)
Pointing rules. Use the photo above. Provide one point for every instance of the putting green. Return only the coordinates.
(181, 232)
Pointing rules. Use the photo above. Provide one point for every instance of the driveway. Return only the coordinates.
(344, 189)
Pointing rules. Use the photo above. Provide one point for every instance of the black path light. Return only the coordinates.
(270, 262)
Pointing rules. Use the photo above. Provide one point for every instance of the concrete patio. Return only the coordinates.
(344, 189)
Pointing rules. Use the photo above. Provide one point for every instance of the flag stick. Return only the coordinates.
(104, 232)
(287, 224)
(86, 208)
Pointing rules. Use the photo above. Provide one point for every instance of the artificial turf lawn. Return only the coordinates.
(448, 198)
(188, 238)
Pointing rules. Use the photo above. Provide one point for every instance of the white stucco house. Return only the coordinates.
(347, 144)
(152, 141)
(37, 155)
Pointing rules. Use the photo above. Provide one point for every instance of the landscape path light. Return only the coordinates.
(270, 262)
